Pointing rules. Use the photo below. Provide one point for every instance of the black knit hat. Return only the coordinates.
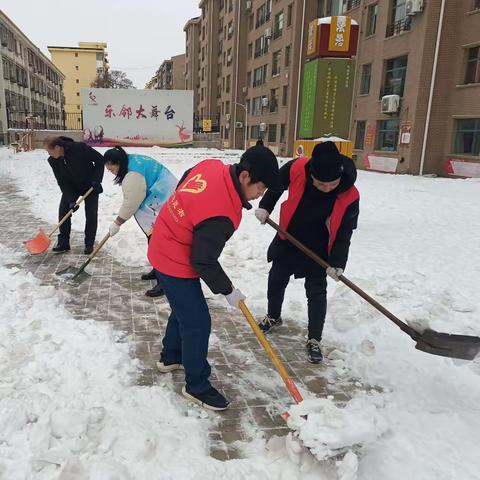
(327, 162)
(262, 164)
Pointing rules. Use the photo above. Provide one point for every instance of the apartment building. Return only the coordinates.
(417, 97)
(81, 65)
(29, 82)
(250, 60)
(170, 75)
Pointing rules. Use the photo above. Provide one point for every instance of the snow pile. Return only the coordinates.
(329, 430)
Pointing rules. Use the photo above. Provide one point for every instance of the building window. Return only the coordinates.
(473, 66)
(261, 46)
(285, 95)
(467, 136)
(282, 133)
(372, 19)
(76, 54)
(249, 79)
(257, 106)
(77, 81)
(250, 50)
(278, 28)
(276, 63)
(360, 134)
(288, 51)
(399, 21)
(366, 77)
(76, 67)
(387, 135)
(289, 14)
(272, 133)
(78, 107)
(476, 4)
(227, 89)
(260, 75)
(247, 105)
(273, 101)
(78, 94)
(395, 74)
(255, 131)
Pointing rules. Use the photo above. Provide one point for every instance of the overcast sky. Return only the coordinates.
(140, 33)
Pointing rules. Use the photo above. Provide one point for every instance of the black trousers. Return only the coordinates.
(91, 216)
(316, 291)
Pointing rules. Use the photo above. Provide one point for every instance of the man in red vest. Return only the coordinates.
(321, 211)
(188, 237)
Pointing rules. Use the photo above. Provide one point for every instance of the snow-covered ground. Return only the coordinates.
(416, 250)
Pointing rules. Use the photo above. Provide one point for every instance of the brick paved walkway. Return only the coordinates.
(240, 368)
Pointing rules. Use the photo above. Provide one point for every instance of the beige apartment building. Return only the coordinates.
(81, 65)
(29, 83)
(247, 57)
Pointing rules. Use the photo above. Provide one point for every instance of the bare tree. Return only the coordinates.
(113, 79)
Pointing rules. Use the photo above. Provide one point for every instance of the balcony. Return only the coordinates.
(402, 25)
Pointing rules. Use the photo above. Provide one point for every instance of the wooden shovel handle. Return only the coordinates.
(90, 257)
(292, 388)
(70, 212)
(403, 326)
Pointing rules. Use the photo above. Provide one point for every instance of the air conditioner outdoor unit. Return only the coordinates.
(263, 126)
(248, 5)
(238, 124)
(227, 117)
(414, 6)
(227, 125)
(229, 59)
(230, 30)
(390, 104)
(245, 89)
(264, 101)
(268, 33)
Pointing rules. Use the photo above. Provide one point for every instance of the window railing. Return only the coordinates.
(402, 25)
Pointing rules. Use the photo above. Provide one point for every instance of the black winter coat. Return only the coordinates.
(308, 223)
(77, 169)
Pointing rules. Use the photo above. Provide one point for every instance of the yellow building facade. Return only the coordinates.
(80, 65)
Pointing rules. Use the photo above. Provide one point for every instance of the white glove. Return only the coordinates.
(262, 215)
(114, 229)
(334, 273)
(234, 298)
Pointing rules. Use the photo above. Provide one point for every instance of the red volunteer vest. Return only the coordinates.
(207, 191)
(296, 189)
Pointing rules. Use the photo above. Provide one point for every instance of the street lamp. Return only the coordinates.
(245, 126)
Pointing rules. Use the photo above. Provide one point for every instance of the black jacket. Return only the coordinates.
(308, 223)
(209, 239)
(77, 169)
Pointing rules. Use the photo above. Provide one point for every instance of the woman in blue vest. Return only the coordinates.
(146, 185)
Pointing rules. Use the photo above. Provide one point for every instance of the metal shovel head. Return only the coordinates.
(464, 347)
(73, 275)
(38, 244)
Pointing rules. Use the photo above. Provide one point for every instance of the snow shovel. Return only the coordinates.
(79, 275)
(289, 383)
(41, 241)
(464, 347)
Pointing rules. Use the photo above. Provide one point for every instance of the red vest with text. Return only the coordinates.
(296, 189)
(207, 191)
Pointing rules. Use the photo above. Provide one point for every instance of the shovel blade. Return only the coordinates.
(74, 275)
(464, 347)
(38, 244)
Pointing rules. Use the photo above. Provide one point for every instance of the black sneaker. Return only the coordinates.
(149, 276)
(313, 351)
(156, 291)
(88, 250)
(61, 248)
(212, 399)
(268, 323)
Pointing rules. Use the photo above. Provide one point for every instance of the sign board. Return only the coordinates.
(381, 164)
(131, 117)
(327, 97)
(462, 168)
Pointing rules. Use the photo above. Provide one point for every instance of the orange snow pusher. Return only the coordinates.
(41, 241)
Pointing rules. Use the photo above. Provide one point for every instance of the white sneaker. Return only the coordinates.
(169, 367)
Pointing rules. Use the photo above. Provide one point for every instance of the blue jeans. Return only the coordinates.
(188, 330)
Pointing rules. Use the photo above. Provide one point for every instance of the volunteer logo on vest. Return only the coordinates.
(196, 184)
